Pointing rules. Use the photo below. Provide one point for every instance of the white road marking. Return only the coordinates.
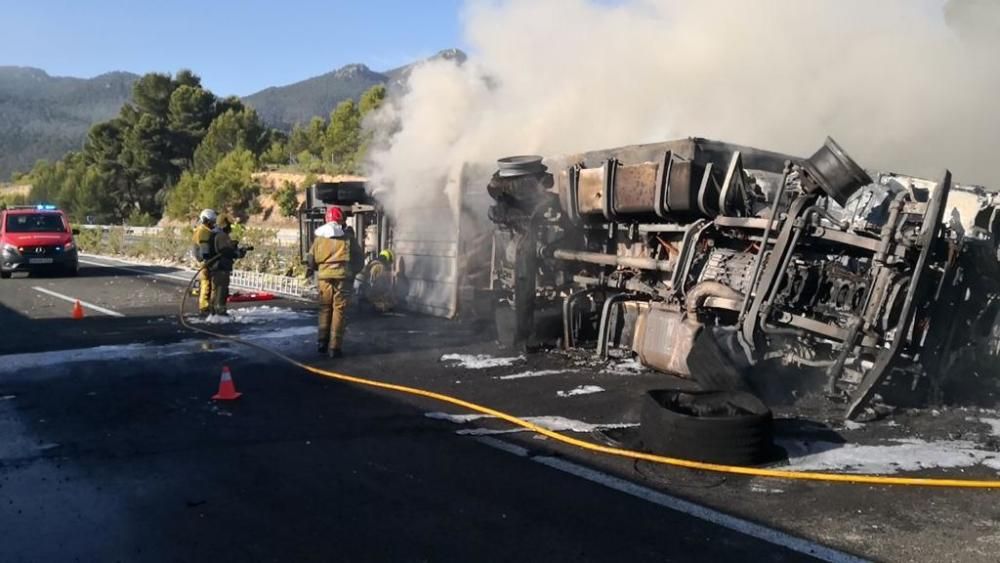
(99, 309)
(291, 340)
(138, 271)
(505, 446)
(739, 525)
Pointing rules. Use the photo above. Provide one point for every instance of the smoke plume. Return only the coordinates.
(903, 85)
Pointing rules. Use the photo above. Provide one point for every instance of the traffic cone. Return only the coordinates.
(77, 310)
(227, 389)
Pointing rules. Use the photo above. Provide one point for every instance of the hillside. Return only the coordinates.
(44, 116)
(284, 106)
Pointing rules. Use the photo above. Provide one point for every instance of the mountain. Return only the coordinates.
(284, 106)
(44, 116)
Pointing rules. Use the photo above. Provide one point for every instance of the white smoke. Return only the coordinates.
(898, 85)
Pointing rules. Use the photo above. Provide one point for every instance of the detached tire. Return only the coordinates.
(726, 427)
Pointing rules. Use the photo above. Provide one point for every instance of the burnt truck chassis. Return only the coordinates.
(705, 259)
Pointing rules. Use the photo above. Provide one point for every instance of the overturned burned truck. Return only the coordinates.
(706, 259)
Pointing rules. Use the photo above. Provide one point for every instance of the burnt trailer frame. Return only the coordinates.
(815, 250)
(441, 245)
(360, 210)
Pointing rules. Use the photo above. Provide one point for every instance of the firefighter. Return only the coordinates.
(357, 262)
(227, 251)
(203, 254)
(330, 259)
(376, 282)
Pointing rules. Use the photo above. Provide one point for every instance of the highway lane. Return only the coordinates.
(143, 420)
(122, 303)
(121, 455)
(129, 460)
(107, 287)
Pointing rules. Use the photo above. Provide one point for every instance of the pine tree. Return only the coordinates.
(343, 138)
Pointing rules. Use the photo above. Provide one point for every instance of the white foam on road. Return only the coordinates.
(252, 315)
(581, 390)
(289, 339)
(456, 418)
(894, 456)
(630, 366)
(553, 423)
(993, 423)
(479, 361)
(526, 374)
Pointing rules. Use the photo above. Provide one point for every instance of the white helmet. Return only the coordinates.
(208, 216)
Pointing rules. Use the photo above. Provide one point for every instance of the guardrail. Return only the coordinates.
(270, 283)
(272, 266)
(282, 237)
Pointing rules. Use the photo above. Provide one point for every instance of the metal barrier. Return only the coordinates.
(168, 246)
(282, 237)
(270, 283)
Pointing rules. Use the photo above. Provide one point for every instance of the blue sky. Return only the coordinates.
(238, 47)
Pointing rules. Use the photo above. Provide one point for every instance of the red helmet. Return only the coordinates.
(334, 215)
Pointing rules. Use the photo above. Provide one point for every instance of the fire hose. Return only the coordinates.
(857, 479)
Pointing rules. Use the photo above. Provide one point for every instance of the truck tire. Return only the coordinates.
(5, 275)
(726, 427)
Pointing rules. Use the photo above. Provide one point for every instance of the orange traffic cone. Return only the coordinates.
(77, 310)
(227, 389)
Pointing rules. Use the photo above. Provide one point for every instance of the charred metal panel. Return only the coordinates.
(443, 246)
(683, 183)
(663, 340)
(635, 189)
(590, 191)
(425, 242)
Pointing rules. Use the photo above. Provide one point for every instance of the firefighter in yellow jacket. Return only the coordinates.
(330, 258)
(227, 251)
(203, 255)
(375, 282)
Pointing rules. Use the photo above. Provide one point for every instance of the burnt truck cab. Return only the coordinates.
(441, 240)
(361, 213)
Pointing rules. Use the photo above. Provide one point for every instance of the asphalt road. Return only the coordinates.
(111, 450)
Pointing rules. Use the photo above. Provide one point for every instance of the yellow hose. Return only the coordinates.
(859, 479)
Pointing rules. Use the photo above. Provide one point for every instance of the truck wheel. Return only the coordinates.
(727, 427)
(5, 275)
